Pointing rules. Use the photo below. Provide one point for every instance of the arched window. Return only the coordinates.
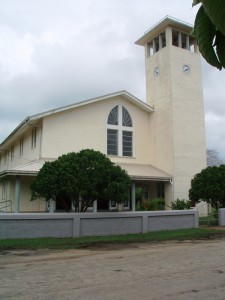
(119, 132)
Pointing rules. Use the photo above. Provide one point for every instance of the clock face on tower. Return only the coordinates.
(156, 71)
(186, 69)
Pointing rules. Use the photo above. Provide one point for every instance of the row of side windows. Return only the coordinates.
(21, 146)
(119, 132)
(10, 154)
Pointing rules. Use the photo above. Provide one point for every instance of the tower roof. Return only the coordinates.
(161, 25)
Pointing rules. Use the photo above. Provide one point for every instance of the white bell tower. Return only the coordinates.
(174, 89)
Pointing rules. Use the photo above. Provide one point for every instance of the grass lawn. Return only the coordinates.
(83, 242)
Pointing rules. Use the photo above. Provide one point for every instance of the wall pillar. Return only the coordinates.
(187, 42)
(221, 216)
(72, 206)
(160, 41)
(196, 50)
(154, 45)
(169, 37)
(17, 195)
(51, 206)
(95, 206)
(169, 195)
(179, 40)
(147, 50)
(133, 196)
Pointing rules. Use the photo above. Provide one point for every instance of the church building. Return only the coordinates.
(160, 142)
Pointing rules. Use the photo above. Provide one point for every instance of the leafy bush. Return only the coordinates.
(153, 204)
(181, 204)
(209, 186)
(81, 178)
(139, 207)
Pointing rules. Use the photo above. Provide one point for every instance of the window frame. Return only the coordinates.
(114, 141)
(6, 157)
(12, 150)
(34, 138)
(120, 128)
(21, 146)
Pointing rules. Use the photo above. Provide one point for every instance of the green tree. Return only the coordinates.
(209, 186)
(82, 178)
(209, 30)
(181, 204)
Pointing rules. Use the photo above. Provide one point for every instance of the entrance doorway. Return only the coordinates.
(141, 194)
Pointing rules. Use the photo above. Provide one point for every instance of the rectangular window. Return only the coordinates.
(33, 138)
(126, 204)
(112, 142)
(12, 152)
(127, 143)
(160, 190)
(6, 157)
(21, 146)
(113, 204)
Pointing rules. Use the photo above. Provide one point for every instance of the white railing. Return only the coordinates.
(4, 204)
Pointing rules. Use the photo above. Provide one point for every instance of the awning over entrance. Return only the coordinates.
(135, 171)
(145, 172)
(29, 169)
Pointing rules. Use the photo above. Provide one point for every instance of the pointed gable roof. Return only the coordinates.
(123, 93)
(34, 118)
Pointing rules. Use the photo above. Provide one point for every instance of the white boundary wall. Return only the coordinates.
(222, 217)
(93, 224)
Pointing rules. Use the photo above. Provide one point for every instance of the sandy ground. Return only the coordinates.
(170, 270)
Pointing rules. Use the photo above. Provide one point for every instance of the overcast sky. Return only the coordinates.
(57, 52)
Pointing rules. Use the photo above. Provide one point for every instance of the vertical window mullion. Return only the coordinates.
(120, 131)
(120, 144)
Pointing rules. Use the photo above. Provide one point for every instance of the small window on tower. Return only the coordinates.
(157, 43)
(183, 40)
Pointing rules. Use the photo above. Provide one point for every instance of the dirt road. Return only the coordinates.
(172, 270)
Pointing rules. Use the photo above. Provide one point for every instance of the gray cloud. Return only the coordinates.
(54, 53)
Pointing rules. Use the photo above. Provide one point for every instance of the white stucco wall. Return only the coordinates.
(86, 127)
(29, 153)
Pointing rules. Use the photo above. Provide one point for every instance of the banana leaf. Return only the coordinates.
(205, 32)
(220, 45)
(215, 9)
